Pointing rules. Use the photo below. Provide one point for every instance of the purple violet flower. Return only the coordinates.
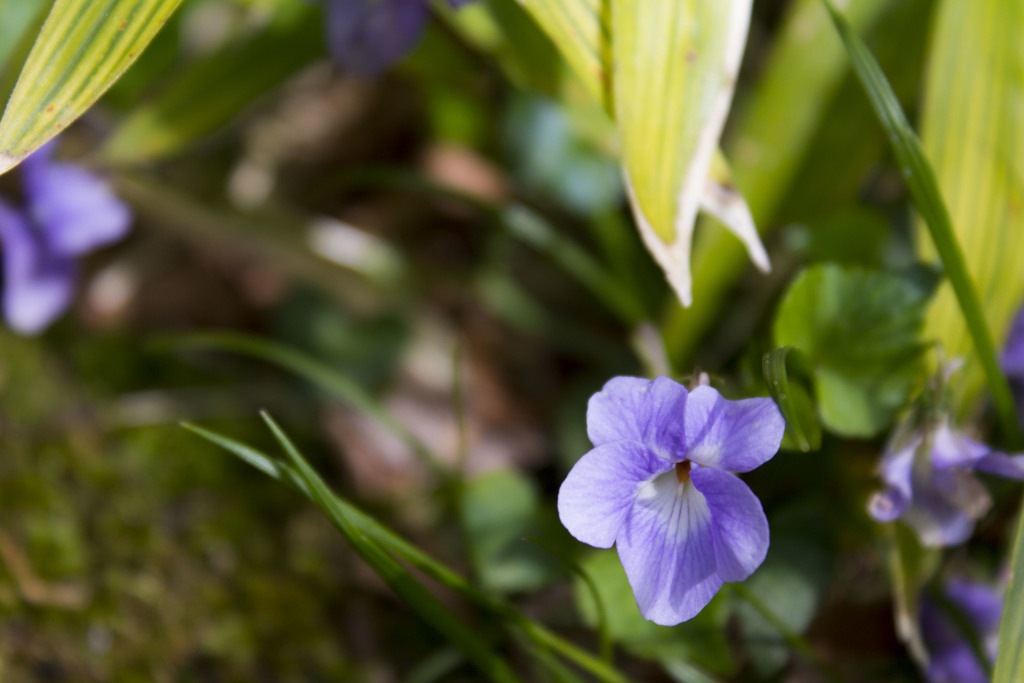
(951, 657)
(658, 485)
(368, 36)
(1012, 359)
(69, 212)
(931, 487)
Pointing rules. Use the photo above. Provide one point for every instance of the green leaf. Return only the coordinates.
(803, 431)
(685, 147)
(498, 511)
(1010, 660)
(921, 182)
(580, 29)
(210, 93)
(971, 132)
(675, 69)
(84, 46)
(408, 552)
(861, 333)
(424, 603)
(773, 132)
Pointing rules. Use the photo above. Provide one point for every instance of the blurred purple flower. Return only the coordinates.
(368, 36)
(657, 484)
(931, 487)
(69, 212)
(951, 657)
(1013, 353)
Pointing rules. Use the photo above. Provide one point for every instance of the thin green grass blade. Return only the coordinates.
(408, 552)
(923, 186)
(210, 93)
(318, 374)
(84, 46)
(1010, 660)
(972, 128)
(401, 581)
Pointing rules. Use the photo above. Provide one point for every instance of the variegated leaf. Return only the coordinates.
(675, 69)
(83, 48)
(973, 132)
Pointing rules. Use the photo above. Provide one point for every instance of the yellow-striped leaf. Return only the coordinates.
(582, 31)
(973, 132)
(675, 69)
(84, 46)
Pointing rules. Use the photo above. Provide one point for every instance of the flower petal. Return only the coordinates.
(667, 549)
(952, 659)
(75, 210)
(731, 435)
(641, 410)
(1003, 465)
(596, 496)
(946, 505)
(367, 36)
(738, 524)
(1012, 359)
(38, 284)
(897, 469)
(951, 448)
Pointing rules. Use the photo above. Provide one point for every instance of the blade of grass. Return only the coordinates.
(318, 374)
(408, 552)
(921, 182)
(401, 581)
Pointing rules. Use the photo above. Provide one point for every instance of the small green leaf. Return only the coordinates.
(84, 46)
(498, 511)
(861, 332)
(803, 430)
(210, 93)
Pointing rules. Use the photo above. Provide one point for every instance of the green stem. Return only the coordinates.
(921, 182)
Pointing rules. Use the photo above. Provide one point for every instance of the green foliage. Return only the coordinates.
(803, 431)
(923, 186)
(211, 92)
(83, 48)
(861, 332)
(499, 510)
